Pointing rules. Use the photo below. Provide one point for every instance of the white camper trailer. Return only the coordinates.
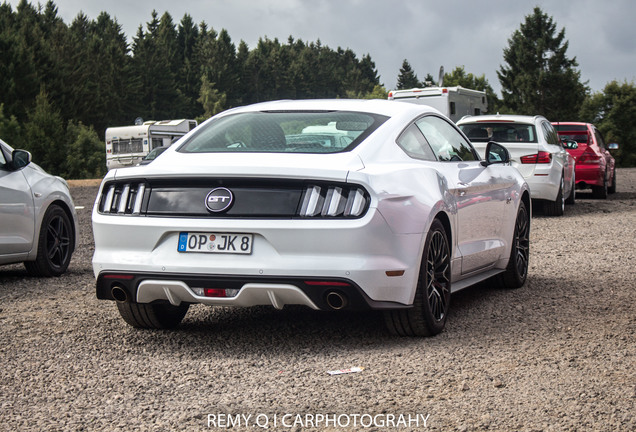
(454, 102)
(127, 145)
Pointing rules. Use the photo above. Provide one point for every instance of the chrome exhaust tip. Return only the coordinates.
(335, 300)
(119, 293)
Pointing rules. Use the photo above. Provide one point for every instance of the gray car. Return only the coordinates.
(38, 223)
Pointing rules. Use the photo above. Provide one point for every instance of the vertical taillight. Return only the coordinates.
(333, 201)
(122, 198)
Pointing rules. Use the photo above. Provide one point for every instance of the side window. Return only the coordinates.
(599, 139)
(550, 134)
(446, 141)
(414, 144)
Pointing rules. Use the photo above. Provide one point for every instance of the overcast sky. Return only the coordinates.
(429, 34)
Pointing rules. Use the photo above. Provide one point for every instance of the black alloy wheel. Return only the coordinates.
(55, 244)
(517, 270)
(430, 308)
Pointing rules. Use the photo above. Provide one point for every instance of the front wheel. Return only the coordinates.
(428, 315)
(56, 240)
(152, 315)
(517, 270)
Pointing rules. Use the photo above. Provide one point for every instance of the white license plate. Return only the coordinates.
(233, 243)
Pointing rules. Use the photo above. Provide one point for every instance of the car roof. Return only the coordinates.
(376, 106)
(500, 117)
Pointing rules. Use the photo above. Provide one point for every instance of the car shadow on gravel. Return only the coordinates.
(479, 310)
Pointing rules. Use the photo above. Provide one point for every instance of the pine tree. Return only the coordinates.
(407, 78)
(538, 77)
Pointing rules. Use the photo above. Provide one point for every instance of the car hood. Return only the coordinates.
(331, 166)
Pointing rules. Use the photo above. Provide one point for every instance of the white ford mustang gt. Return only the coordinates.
(331, 204)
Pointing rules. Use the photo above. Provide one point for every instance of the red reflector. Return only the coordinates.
(539, 158)
(214, 292)
(327, 283)
(116, 276)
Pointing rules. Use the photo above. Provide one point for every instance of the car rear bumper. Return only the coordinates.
(322, 294)
(365, 253)
(589, 175)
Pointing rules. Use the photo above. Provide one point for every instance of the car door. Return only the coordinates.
(480, 195)
(17, 222)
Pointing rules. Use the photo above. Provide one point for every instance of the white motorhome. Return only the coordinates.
(127, 145)
(454, 102)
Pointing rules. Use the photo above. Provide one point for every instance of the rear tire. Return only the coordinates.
(556, 207)
(152, 315)
(56, 241)
(430, 308)
(571, 200)
(612, 188)
(517, 269)
(600, 192)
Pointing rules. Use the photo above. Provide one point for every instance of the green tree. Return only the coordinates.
(190, 68)
(155, 62)
(212, 100)
(613, 111)
(45, 136)
(407, 78)
(429, 81)
(378, 92)
(10, 130)
(538, 77)
(217, 59)
(85, 157)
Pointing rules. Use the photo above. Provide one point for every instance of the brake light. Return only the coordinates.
(539, 158)
(589, 157)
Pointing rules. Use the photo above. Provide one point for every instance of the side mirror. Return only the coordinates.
(20, 159)
(570, 144)
(495, 153)
(612, 146)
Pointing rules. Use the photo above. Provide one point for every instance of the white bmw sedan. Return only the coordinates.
(535, 150)
(331, 204)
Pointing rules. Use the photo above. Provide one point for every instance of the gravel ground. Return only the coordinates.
(557, 354)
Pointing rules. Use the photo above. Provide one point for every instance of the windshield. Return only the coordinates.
(283, 132)
(500, 132)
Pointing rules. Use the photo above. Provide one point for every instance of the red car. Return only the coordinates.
(595, 166)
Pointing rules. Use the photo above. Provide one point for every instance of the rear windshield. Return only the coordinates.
(500, 132)
(284, 132)
(573, 136)
(577, 133)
